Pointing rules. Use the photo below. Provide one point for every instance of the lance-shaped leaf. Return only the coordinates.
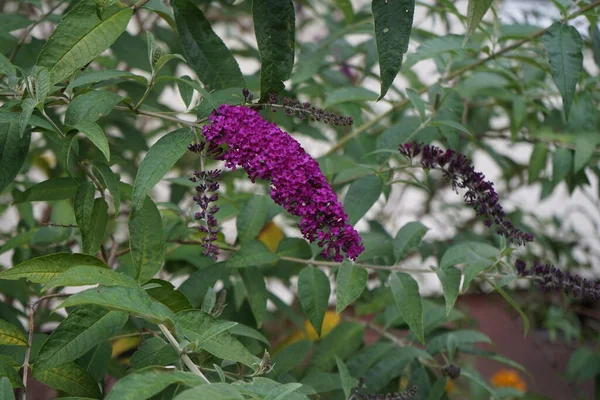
(564, 47)
(256, 291)
(274, 25)
(82, 35)
(13, 152)
(83, 329)
(50, 190)
(351, 280)
(6, 390)
(70, 378)
(108, 178)
(10, 335)
(204, 50)
(45, 268)
(147, 241)
(134, 301)
(145, 384)
(313, 292)
(408, 239)
(393, 24)
(9, 370)
(475, 12)
(158, 161)
(406, 295)
(361, 196)
(87, 275)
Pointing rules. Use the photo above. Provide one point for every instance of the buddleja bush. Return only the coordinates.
(120, 182)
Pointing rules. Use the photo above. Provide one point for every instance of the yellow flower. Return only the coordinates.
(508, 378)
(270, 235)
(330, 321)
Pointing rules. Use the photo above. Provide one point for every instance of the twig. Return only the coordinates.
(184, 357)
(26, 365)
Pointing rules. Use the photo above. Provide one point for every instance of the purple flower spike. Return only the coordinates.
(266, 152)
(480, 193)
(548, 278)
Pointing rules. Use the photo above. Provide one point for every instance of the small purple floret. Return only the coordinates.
(266, 152)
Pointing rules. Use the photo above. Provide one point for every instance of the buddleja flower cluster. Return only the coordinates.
(208, 184)
(266, 152)
(548, 277)
(480, 193)
(292, 106)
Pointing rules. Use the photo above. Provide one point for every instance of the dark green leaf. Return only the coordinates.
(562, 164)
(361, 196)
(28, 106)
(214, 391)
(393, 24)
(564, 47)
(154, 352)
(96, 135)
(274, 25)
(349, 94)
(50, 190)
(195, 323)
(348, 382)
(86, 275)
(131, 300)
(205, 51)
(158, 161)
(408, 239)
(13, 152)
(252, 254)
(585, 147)
(45, 268)
(170, 297)
(84, 328)
(351, 280)
(252, 218)
(291, 356)
(10, 335)
(70, 378)
(145, 384)
(90, 107)
(406, 294)
(81, 36)
(342, 341)
(450, 278)
(537, 163)
(346, 7)
(146, 241)
(109, 179)
(460, 337)
(91, 77)
(9, 369)
(313, 293)
(256, 292)
(475, 12)
(6, 390)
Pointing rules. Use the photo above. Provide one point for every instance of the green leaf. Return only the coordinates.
(131, 300)
(214, 391)
(349, 94)
(417, 102)
(564, 47)
(96, 135)
(459, 337)
(28, 106)
(108, 178)
(406, 295)
(256, 291)
(562, 164)
(154, 352)
(451, 124)
(9, 370)
(479, 380)
(6, 390)
(514, 305)
(84, 328)
(45, 268)
(291, 356)
(83, 205)
(346, 7)
(252, 254)
(158, 161)
(393, 24)
(70, 378)
(50, 190)
(204, 50)
(96, 361)
(438, 389)
(282, 392)
(91, 216)
(264, 388)
(166, 294)
(252, 218)
(165, 59)
(585, 146)
(351, 280)
(10, 335)
(85, 275)
(195, 323)
(6, 67)
(274, 26)
(92, 77)
(13, 152)
(361, 196)
(145, 384)
(185, 91)
(475, 12)
(147, 241)
(450, 277)
(345, 377)
(537, 163)
(343, 341)
(475, 264)
(408, 239)
(81, 36)
(313, 293)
